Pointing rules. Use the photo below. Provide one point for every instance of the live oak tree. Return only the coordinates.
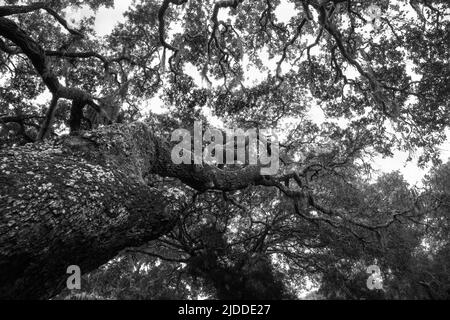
(86, 173)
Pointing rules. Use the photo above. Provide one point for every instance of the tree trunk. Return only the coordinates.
(77, 201)
(82, 199)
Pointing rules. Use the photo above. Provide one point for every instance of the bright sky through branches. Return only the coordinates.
(107, 18)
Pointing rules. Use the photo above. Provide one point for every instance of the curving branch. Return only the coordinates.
(213, 38)
(37, 55)
(162, 32)
(162, 23)
(286, 47)
(12, 10)
(9, 50)
(375, 85)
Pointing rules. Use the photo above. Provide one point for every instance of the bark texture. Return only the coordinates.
(77, 201)
(82, 199)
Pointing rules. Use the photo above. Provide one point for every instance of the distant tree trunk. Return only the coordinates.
(79, 201)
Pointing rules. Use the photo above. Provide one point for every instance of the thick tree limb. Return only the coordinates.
(78, 201)
(11, 10)
(11, 31)
(83, 199)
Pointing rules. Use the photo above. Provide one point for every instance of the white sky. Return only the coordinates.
(106, 19)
